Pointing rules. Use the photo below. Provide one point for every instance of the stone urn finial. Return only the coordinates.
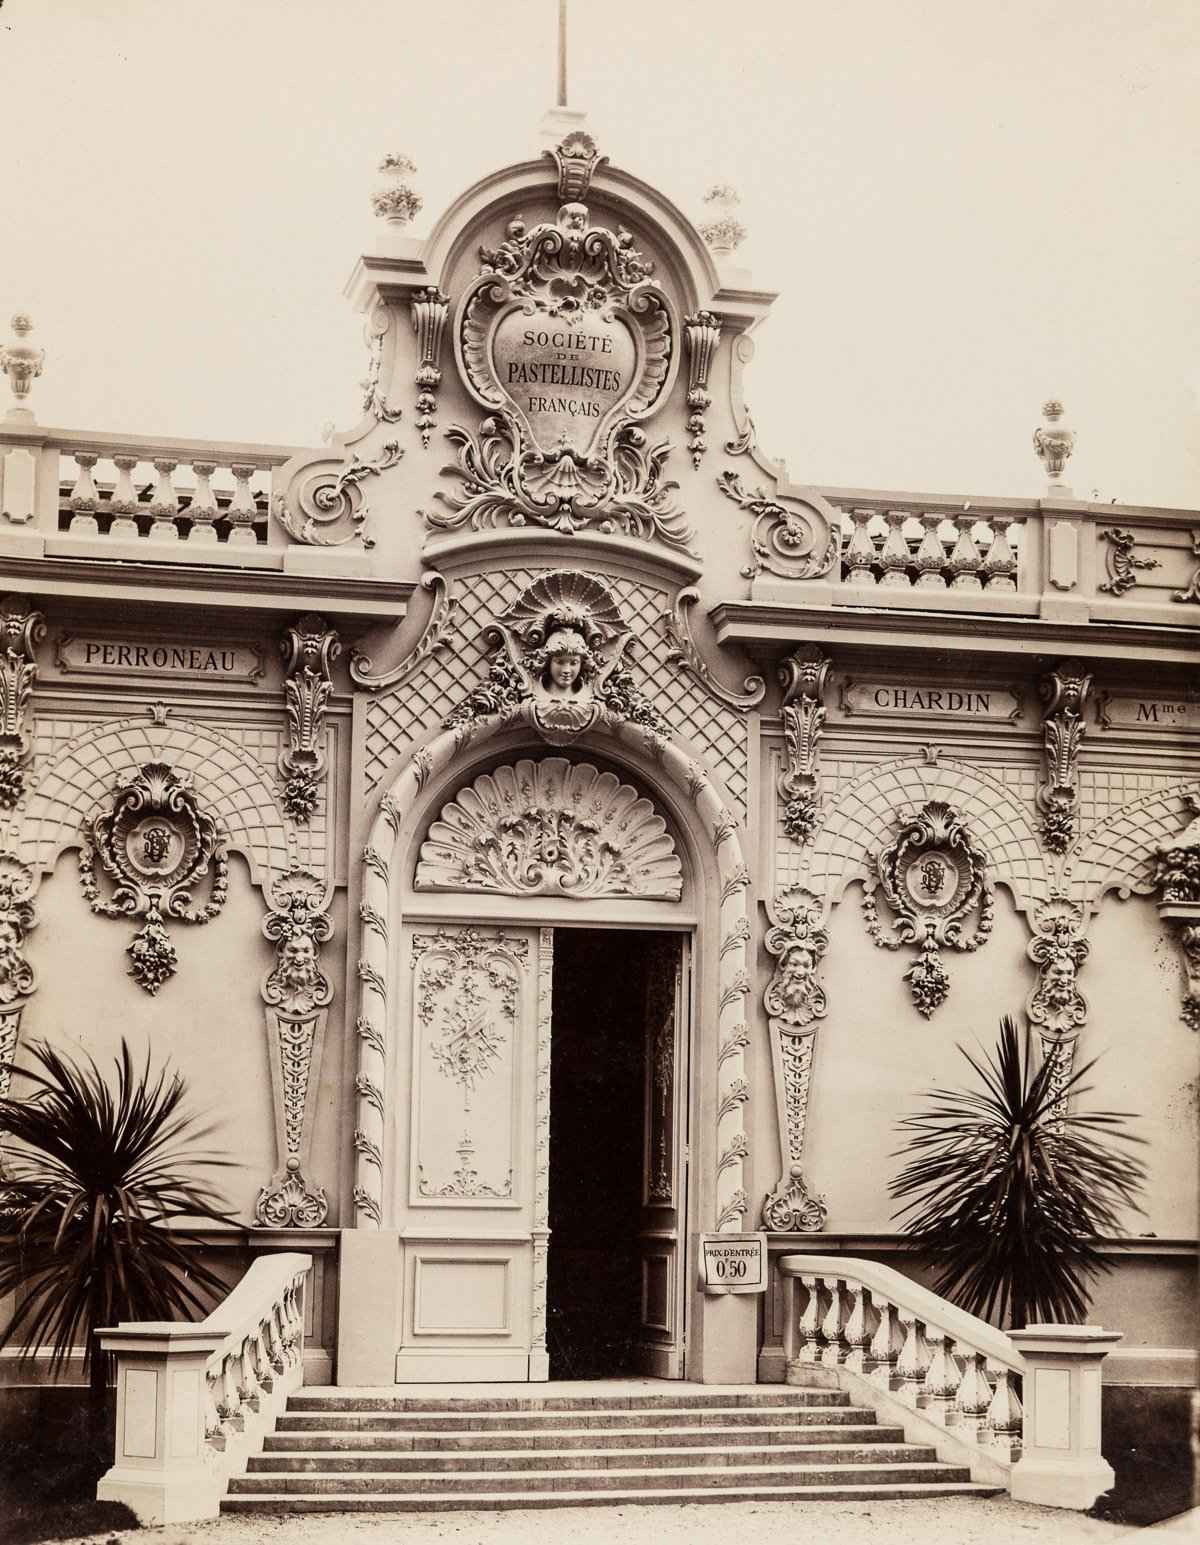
(21, 362)
(396, 200)
(1054, 443)
(724, 232)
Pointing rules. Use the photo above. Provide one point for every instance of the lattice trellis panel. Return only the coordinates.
(854, 826)
(1120, 853)
(232, 783)
(396, 719)
(1104, 790)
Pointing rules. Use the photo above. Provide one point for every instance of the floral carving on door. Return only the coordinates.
(467, 1002)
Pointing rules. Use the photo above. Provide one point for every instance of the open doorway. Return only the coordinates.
(614, 1186)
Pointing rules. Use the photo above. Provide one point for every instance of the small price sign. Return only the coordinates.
(734, 1263)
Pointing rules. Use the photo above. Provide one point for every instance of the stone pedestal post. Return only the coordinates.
(1061, 1464)
(160, 1468)
(368, 1306)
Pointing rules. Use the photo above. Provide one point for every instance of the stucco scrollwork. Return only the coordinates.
(567, 344)
(21, 630)
(17, 979)
(934, 878)
(1177, 879)
(803, 676)
(560, 647)
(297, 994)
(1121, 561)
(1065, 692)
(1056, 1007)
(685, 652)
(324, 507)
(551, 827)
(795, 1001)
(792, 538)
(155, 844)
(309, 648)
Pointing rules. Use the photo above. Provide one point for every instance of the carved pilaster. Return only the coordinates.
(703, 334)
(297, 994)
(429, 309)
(803, 676)
(309, 648)
(1065, 693)
(1056, 1007)
(17, 979)
(1177, 877)
(21, 630)
(795, 1002)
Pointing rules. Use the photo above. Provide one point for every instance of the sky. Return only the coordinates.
(966, 207)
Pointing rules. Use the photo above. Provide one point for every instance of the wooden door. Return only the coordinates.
(664, 1169)
(472, 1201)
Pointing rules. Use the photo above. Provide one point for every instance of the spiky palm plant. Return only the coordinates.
(91, 1178)
(1010, 1191)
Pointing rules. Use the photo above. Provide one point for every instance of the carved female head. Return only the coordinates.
(566, 651)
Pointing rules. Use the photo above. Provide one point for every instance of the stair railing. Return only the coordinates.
(879, 1331)
(193, 1400)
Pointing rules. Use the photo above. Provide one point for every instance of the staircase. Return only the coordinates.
(336, 1450)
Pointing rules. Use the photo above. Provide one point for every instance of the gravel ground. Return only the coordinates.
(945, 1521)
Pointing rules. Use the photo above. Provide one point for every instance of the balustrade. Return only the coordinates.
(194, 1400)
(160, 498)
(913, 549)
(899, 1345)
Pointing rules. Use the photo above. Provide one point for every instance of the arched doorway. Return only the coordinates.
(460, 906)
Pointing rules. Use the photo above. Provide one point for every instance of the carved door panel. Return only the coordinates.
(471, 1202)
(664, 1151)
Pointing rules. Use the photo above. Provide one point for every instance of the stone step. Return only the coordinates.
(487, 1421)
(406, 1502)
(692, 1477)
(574, 1438)
(338, 1400)
(329, 1463)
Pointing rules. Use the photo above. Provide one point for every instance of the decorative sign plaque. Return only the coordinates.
(88, 654)
(1126, 711)
(733, 1263)
(928, 700)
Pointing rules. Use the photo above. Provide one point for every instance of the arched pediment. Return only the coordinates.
(551, 827)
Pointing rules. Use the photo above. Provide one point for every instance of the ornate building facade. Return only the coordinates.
(543, 833)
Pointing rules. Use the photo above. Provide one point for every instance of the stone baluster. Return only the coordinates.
(940, 1385)
(1004, 1416)
(858, 1331)
(810, 1324)
(913, 1361)
(895, 558)
(275, 1349)
(262, 1357)
(834, 1324)
(974, 1394)
(230, 1405)
(212, 1406)
(242, 511)
(931, 555)
(164, 506)
(964, 560)
(203, 508)
(999, 568)
(248, 1386)
(295, 1324)
(886, 1345)
(860, 555)
(84, 499)
(124, 501)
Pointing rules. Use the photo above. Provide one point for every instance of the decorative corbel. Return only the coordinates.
(795, 1002)
(1065, 693)
(577, 161)
(1056, 1007)
(17, 979)
(429, 310)
(703, 334)
(21, 630)
(309, 649)
(297, 994)
(802, 675)
(1177, 878)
